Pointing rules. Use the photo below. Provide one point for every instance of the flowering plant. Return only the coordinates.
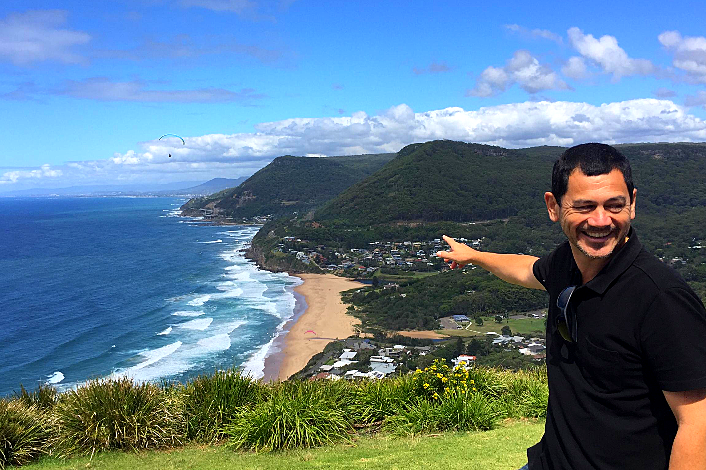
(439, 380)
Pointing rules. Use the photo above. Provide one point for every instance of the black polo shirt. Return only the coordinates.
(641, 330)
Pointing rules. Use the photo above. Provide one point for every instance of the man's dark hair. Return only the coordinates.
(593, 160)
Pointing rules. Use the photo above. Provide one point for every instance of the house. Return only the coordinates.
(326, 367)
(465, 358)
(384, 368)
(383, 359)
(461, 318)
(347, 354)
(343, 363)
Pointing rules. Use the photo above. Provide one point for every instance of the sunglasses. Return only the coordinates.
(566, 323)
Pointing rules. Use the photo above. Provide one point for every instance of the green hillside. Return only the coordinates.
(289, 184)
(446, 180)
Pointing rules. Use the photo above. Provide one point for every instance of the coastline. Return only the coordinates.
(323, 313)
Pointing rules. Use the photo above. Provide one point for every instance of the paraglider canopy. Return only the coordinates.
(310, 331)
(173, 135)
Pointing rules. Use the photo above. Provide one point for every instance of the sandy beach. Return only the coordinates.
(325, 315)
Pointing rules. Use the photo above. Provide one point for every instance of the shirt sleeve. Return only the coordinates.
(673, 336)
(540, 269)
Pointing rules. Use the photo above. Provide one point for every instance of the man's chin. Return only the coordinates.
(602, 252)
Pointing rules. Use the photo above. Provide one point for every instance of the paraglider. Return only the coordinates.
(310, 331)
(173, 135)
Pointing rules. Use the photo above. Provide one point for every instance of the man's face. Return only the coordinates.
(595, 213)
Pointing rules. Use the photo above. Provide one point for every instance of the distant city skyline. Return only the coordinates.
(87, 89)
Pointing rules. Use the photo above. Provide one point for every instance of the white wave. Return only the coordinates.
(199, 301)
(255, 365)
(198, 324)
(219, 342)
(55, 378)
(155, 355)
(165, 332)
(212, 241)
(189, 313)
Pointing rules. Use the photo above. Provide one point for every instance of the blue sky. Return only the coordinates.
(87, 88)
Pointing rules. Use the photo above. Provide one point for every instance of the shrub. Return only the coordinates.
(457, 411)
(24, 433)
(378, 399)
(298, 414)
(213, 401)
(43, 397)
(117, 414)
(439, 380)
(527, 394)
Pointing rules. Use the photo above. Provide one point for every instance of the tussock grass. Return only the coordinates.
(118, 414)
(211, 402)
(25, 432)
(43, 397)
(297, 414)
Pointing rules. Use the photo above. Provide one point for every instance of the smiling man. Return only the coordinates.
(626, 336)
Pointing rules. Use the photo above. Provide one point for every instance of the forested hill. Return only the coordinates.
(289, 184)
(449, 181)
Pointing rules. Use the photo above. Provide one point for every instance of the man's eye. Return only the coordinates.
(615, 208)
(584, 208)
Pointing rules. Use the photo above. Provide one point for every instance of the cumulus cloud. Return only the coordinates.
(435, 67)
(45, 171)
(103, 89)
(689, 54)
(575, 68)
(534, 33)
(36, 36)
(523, 69)
(606, 53)
(511, 125)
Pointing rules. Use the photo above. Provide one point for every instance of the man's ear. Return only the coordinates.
(552, 206)
(632, 204)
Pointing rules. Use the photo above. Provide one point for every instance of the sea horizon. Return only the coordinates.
(97, 287)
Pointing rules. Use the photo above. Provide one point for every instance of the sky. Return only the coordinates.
(87, 88)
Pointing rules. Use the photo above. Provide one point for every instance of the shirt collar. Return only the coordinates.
(617, 265)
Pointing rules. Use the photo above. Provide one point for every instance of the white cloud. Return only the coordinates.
(45, 171)
(36, 36)
(534, 33)
(606, 53)
(103, 89)
(689, 54)
(523, 69)
(575, 68)
(511, 125)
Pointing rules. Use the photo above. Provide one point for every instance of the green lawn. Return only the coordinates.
(522, 326)
(502, 449)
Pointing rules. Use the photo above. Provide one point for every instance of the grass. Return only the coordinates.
(503, 448)
(521, 326)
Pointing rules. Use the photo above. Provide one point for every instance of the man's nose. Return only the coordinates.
(599, 218)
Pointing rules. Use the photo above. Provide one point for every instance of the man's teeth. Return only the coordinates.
(597, 234)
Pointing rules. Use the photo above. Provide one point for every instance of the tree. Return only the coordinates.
(506, 331)
(498, 319)
(479, 321)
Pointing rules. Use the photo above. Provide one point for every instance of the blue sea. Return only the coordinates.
(97, 287)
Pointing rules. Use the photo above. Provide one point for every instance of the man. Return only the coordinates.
(626, 336)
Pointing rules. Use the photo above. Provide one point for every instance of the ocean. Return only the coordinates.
(97, 287)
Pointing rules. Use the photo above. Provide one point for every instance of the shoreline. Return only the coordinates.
(322, 319)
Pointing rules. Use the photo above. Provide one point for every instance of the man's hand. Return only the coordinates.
(515, 269)
(459, 254)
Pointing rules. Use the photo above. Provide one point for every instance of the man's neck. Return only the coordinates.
(590, 267)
